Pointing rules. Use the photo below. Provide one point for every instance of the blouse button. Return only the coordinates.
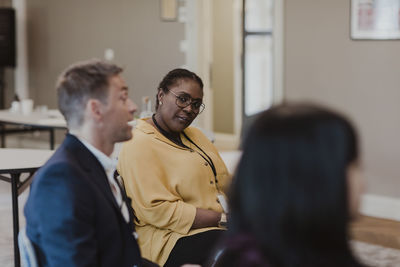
(205, 163)
(191, 150)
(211, 182)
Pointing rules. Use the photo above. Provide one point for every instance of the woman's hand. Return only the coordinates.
(206, 218)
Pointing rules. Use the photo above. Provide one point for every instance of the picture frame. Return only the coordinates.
(169, 10)
(375, 19)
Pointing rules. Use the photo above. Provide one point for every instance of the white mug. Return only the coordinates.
(26, 106)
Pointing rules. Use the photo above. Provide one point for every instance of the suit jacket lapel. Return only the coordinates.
(92, 166)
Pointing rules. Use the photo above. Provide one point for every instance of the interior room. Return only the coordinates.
(250, 54)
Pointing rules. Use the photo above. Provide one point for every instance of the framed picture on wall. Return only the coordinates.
(375, 19)
(169, 10)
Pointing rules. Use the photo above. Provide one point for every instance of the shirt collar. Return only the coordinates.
(147, 128)
(109, 164)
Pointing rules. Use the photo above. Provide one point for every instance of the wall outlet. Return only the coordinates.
(109, 54)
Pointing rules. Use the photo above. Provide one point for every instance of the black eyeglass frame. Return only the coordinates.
(200, 109)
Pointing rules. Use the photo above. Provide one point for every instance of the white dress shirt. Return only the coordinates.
(109, 166)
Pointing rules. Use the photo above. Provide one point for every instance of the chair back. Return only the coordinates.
(26, 250)
(218, 258)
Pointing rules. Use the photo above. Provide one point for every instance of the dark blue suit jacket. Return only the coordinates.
(71, 214)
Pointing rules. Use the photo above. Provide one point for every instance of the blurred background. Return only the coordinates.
(250, 54)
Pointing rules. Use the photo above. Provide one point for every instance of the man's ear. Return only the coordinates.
(94, 109)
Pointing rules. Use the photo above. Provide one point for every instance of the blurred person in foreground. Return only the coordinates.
(175, 177)
(297, 187)
(77, 213)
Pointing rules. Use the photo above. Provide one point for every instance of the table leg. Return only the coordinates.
(3, 135)
(14, 195)
(51, 139)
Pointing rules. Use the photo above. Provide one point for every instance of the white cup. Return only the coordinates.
(15, 107)
(26, 106)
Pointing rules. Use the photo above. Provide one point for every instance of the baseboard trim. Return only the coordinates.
(380, 206)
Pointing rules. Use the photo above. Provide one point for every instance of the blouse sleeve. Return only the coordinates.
(147, 184)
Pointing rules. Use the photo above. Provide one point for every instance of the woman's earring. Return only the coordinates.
(160, 102)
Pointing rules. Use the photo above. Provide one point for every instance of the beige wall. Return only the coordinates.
(5, 3)
(62, 32)
(8, 72)
(222, 67)
(9, 87)
(361, 78)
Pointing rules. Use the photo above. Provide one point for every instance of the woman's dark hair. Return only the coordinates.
(173, 77)
(290, 188)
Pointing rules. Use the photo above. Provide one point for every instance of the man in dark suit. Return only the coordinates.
(77, 213)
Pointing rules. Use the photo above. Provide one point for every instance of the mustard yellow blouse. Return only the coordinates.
(167, 183)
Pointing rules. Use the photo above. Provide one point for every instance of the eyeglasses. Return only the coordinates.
(183, 101)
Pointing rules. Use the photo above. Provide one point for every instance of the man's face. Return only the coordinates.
(118, 111)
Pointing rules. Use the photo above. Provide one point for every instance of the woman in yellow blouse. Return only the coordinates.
(175, 177)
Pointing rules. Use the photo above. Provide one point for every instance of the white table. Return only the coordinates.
(13, 163)
(35, 121)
